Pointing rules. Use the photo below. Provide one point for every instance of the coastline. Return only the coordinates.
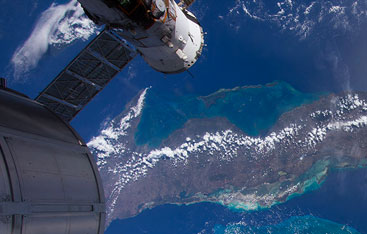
(172, 210)
(323, 169)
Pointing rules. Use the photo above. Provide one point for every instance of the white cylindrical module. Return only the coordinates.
(169, 37)
(181, 48)
(49, 182)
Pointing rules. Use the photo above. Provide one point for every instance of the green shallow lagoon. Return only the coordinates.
(253, 109)
(297, 224)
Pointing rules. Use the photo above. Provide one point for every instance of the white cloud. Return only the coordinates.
(106, 143)
(111, 146)
(131, 72)
(58, 25)
(126, 164)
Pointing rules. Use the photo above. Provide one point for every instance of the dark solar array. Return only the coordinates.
(87, 75)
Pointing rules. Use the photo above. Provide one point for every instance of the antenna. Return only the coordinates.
(185, 3)
(190, 74)
(2, 83)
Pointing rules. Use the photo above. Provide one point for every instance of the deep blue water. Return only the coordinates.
(341, 199)
(253, 109)
(257, 54)
(297, 224)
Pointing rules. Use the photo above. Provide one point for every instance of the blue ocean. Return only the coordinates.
(262, 55)
(259, 53)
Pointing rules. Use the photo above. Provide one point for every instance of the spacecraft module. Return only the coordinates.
(163, 32)
(49, 182)
(167, 35)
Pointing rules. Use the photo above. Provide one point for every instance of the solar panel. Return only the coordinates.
(87, 74)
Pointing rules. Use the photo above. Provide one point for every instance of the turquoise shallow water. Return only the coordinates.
(297, 224)
(252, 109)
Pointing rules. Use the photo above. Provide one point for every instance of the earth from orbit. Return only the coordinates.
(266, 134)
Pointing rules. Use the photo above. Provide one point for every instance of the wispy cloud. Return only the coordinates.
(319, 22)
(131, 72)
(58, 25)
(299, 17)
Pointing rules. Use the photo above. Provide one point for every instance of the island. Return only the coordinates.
(218, 148)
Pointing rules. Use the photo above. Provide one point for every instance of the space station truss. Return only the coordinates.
(94, 67)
